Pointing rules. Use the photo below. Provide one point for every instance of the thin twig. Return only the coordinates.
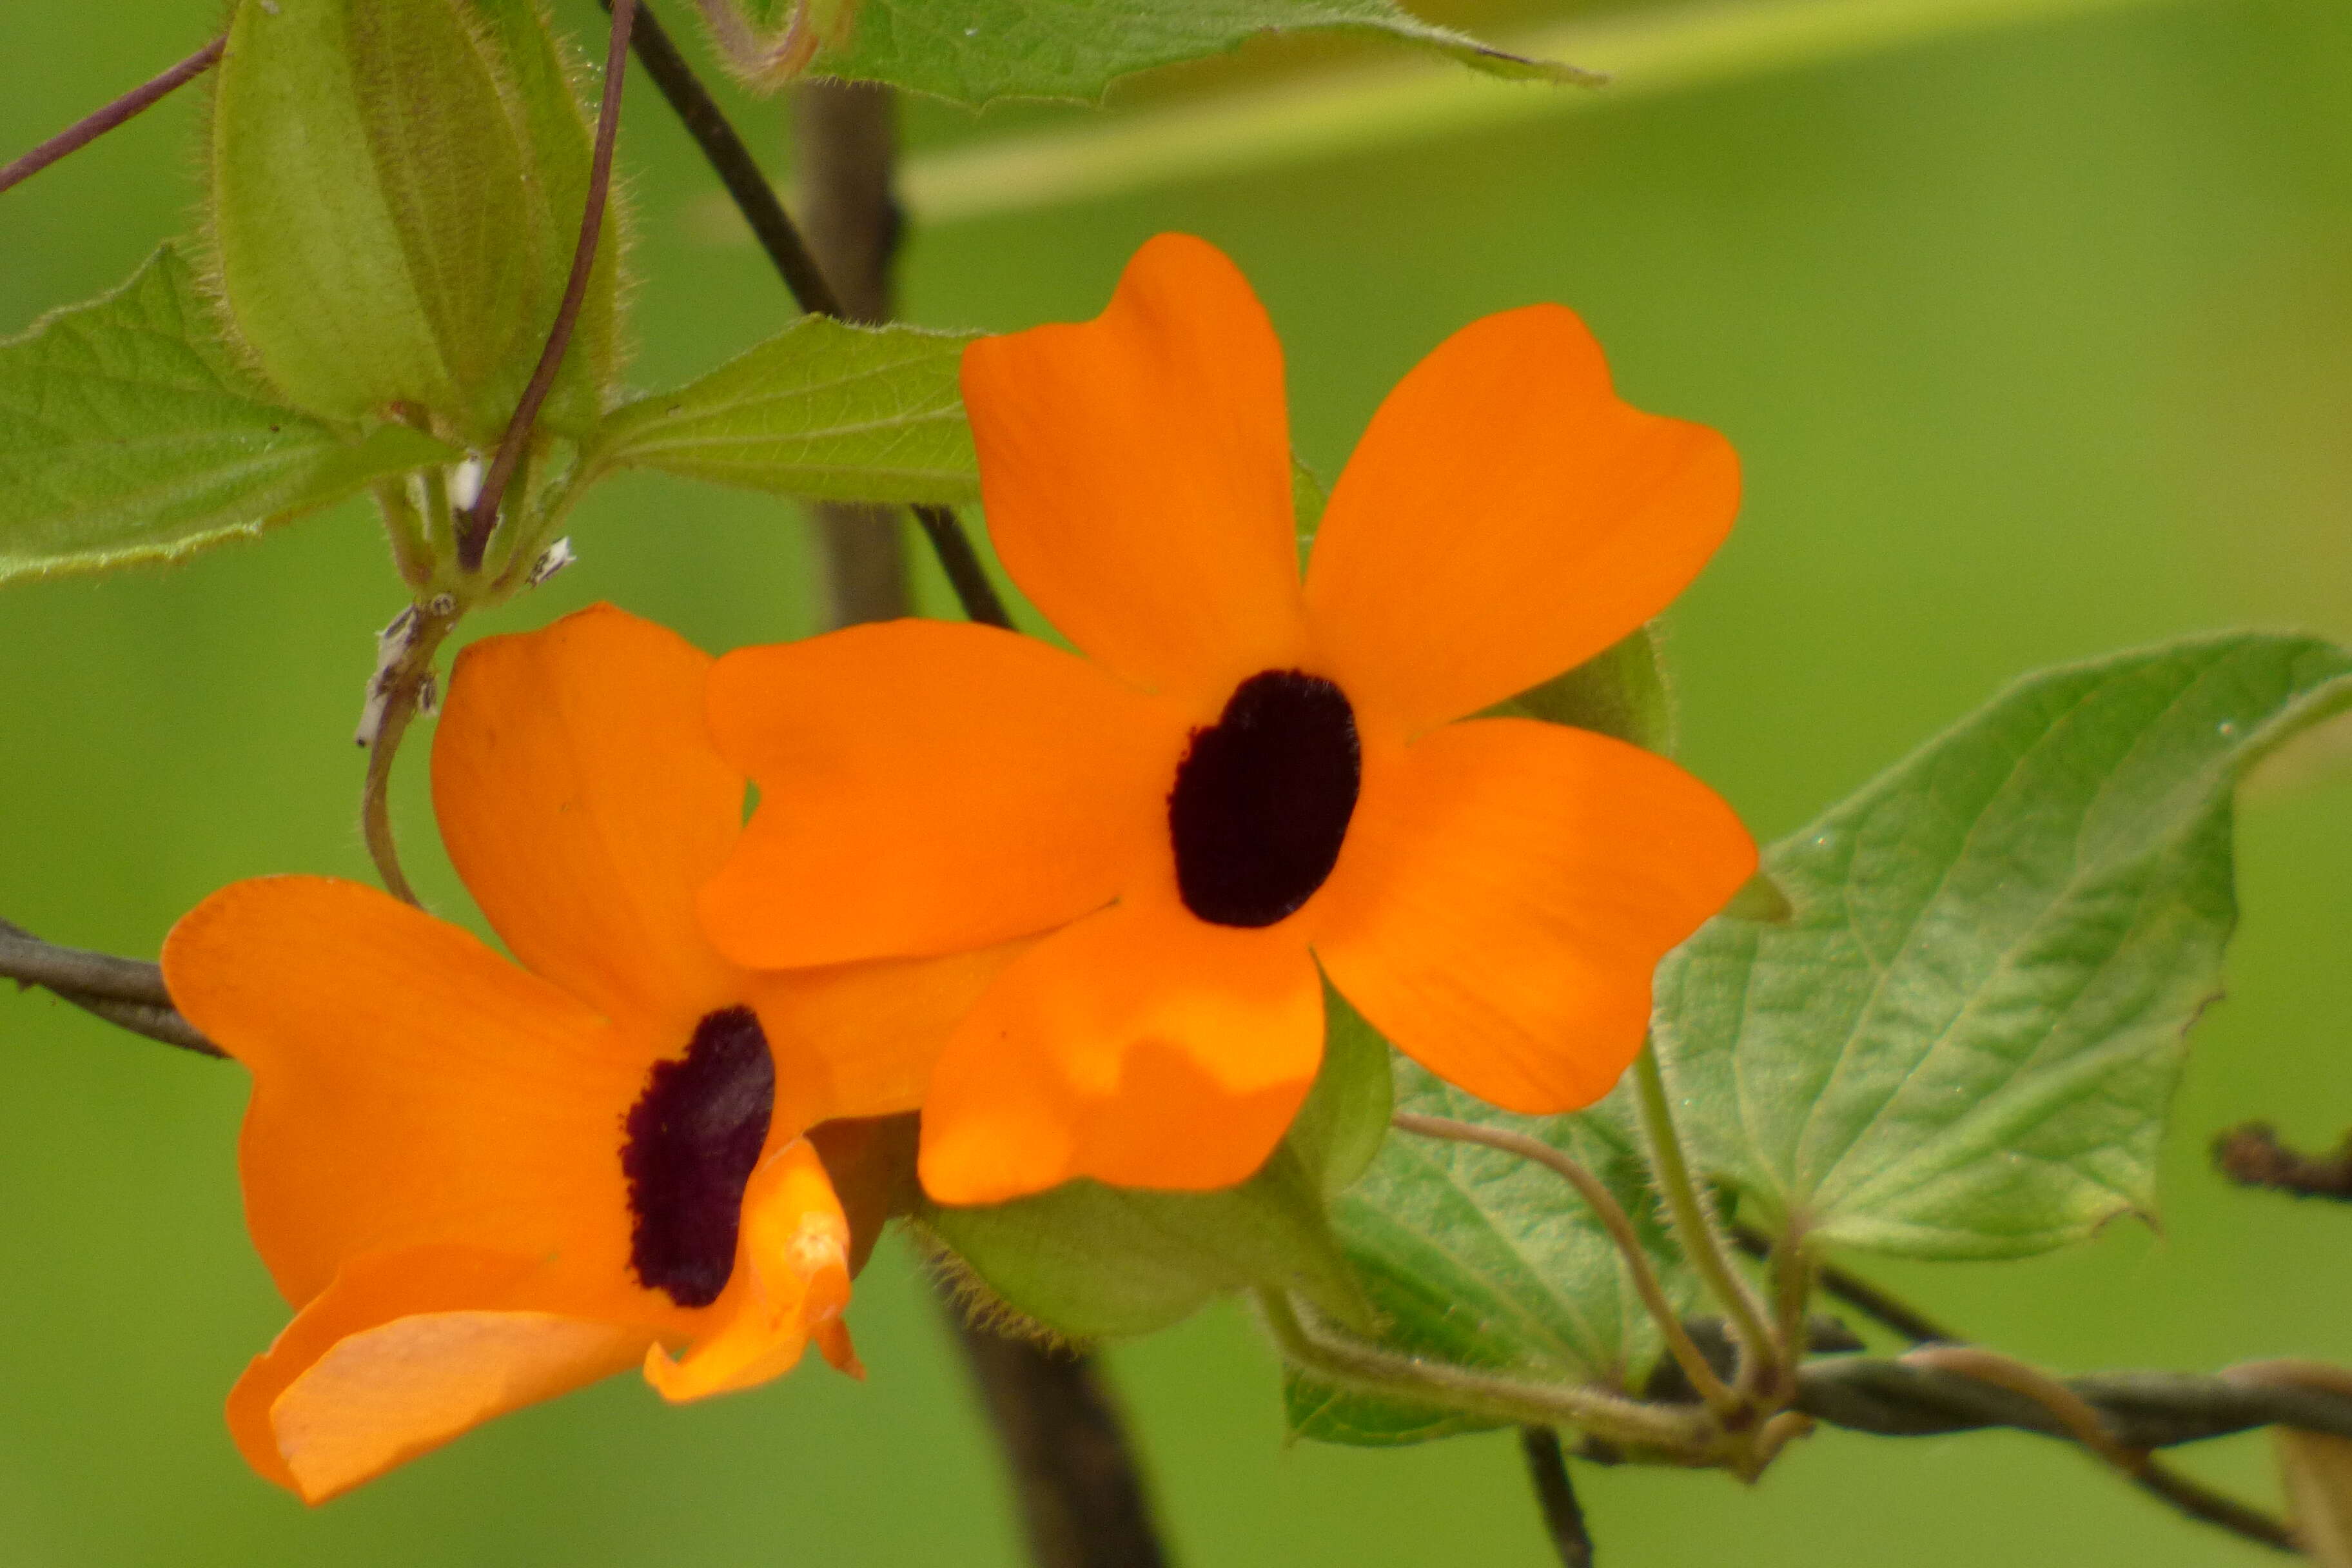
(2252, 1156)
(474, 538)
(1858, 1293)
(1612, 1217)
(966, 576)
(754, 197)
(732, 162)
(84, 132)
(2088, 1428)
(126, 992)
(1563, 1517)
(27, 959)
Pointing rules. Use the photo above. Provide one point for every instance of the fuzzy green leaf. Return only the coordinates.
(976, 51)
(128, 436)
(1481, 1259)
(1093, 1261)
(823, 410)
(1965, 1041)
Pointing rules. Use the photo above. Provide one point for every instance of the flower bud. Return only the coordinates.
(396, 190)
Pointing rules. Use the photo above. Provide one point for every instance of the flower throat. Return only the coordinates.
(694, 1137)
(1263, 797)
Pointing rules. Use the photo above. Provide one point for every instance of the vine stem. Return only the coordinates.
(1695, 1226)
(1613, 1219)
(474, 538)
(90, 128)
(796, 263)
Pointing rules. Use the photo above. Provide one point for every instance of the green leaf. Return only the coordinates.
(127, 436)
(823, 410)
(1094, 1261)
(1964, 1043)
(1478, 1257)
(976, 51)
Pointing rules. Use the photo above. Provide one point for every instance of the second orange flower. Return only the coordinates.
(1247, 784)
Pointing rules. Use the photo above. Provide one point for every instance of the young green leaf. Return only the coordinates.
(1093, 1261)
(1479, 1258)
(127, 436)
(976, 51)
(823, 410)
(1964, 1042)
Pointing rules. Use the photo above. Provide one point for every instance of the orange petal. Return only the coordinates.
(860, 1039)
(411, 1086)
(792, 1276)
(404, 1351)
(583, 804)
(927, 788)
(1136, 469)
(1141, 1046)
(1506, 889)
(1506, 518)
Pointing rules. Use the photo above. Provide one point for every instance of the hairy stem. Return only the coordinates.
(89, 129)
(1857, 1293)
(1563, 1516)
(474, 538)
(404, 678)
(1613, 1219)
(1685, 1432)
(1695, 1226)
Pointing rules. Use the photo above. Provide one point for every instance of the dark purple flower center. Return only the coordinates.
(693, 1138)
(1263, 798)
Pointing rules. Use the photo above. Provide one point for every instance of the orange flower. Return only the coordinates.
(483, 1184)
(1246, 776)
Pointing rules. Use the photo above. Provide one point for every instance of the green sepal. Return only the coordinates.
(395, 194)
(825, 409)
(1964, 1042)
(127, 436)
(1092, 1262)
(977, 51)
(1483, 1259)
(1620, 691)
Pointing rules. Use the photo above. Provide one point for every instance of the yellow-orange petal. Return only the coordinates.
(583, 802)
(1139, 1046)
(790, 1279)
(1136, 470)
(410, 1087)
(402, 1352)
(928, 788)
(861, 1039)
(1506, 889)
(1506, 518)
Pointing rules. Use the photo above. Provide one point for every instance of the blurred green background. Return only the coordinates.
(2035, 343)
